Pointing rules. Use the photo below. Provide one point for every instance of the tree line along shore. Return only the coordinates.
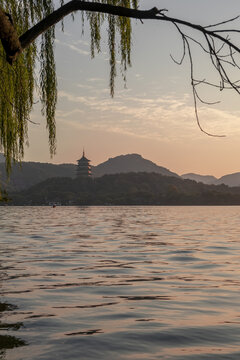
(125, 189)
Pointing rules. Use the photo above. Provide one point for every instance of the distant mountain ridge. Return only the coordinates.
(229, 179)
(30, 173)
(27, 174)
(205, 179)
(129, 163)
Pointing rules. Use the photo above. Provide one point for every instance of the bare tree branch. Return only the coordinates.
(222, 22)
(153, 14)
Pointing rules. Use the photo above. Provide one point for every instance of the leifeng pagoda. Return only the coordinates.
(84, 167)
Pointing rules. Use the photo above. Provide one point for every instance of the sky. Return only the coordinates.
(153, 115)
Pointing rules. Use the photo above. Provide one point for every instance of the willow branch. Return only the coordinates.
(75, 5)
(78, 5)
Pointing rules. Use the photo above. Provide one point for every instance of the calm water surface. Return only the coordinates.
(119, 283)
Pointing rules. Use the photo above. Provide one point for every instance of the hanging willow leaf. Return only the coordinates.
(18, 80)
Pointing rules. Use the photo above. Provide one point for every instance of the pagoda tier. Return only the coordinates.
(84, 167)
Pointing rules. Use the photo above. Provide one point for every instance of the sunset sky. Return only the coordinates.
(154, 115)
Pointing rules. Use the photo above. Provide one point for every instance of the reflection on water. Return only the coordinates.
(8, 341)
(119, 283)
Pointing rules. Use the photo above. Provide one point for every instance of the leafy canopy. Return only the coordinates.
(19, 81)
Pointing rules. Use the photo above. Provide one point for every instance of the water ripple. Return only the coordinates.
(119, 283)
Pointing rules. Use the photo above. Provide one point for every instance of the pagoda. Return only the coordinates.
(84, 167)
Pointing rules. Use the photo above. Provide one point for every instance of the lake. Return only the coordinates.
(118, 283)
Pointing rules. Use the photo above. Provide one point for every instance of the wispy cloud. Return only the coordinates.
(166, 118)
(94, 79)
(68, 114)
(85, 87)
(81, 42)
(74, 47)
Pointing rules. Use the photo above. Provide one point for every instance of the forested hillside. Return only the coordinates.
(126, 189)
(26, 174)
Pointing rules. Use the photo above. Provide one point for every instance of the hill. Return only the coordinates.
(205, 179)
(126, 189)
(230, 179)
(129, 163)
(30, 173)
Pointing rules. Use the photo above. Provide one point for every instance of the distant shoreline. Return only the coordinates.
(124, 205)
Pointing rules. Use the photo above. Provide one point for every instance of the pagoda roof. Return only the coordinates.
(83, 158)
